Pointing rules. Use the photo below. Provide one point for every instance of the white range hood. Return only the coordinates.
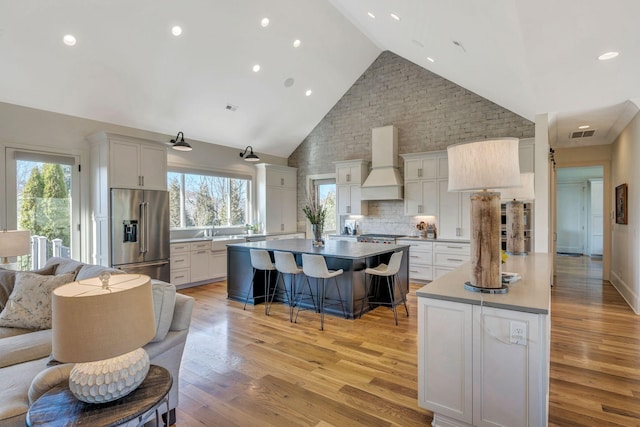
(384, 181)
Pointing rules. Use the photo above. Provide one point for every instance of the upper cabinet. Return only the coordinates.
(350, 176)
(130, 162)
(426, 190)
(277, 197)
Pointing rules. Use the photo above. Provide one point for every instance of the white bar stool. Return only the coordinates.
(390, 272)
(315, 266)
(260, 260)
(286, 264)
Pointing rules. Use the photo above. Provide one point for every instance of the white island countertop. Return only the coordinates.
(530, 294)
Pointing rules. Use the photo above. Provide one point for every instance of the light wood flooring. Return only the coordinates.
(242, 368)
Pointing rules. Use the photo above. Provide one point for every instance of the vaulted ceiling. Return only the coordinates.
(127, 68)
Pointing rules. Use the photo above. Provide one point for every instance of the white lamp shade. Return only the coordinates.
(525, 192)
(92, 323)
(484, 165)
(15, 243)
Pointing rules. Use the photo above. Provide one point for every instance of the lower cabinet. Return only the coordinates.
(472, 370)
(195, 263)
(420, 259)
(447, 256)
(218, 264)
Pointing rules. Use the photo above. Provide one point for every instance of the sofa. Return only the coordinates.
(27, 369)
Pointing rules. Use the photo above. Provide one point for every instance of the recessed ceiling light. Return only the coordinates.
(176, 30)
(69, 40)
(289, 82)
(584, 127)
(264, 22)
(417, 42)
(308, 92)
(256, 68)
(430, 59)
(608, 55)
(371, 15)
(394, 16)
(297, 43)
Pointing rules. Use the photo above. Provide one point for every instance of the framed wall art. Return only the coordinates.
(621, 204)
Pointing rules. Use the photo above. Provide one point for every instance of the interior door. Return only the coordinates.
(570, 218)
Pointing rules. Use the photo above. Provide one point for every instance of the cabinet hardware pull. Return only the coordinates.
(281, 181)
(348, 177)
(453, 259)
(419, 172)
(201, 252)
(454, 247)
(179, 277)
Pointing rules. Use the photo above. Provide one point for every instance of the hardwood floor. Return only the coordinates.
(242, 368)
(595, 350)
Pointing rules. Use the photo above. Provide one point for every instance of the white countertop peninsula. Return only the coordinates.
(483, 359)
(530, 294)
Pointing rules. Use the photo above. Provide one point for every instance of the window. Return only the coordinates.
(325, 193)
(202, 199)
(43, 188)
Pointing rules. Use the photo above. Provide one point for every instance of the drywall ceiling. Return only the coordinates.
(127, 68)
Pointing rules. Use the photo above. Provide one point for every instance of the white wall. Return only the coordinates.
(29, 128)
(625, 244)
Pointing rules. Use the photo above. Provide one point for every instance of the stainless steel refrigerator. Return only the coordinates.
(140, 232)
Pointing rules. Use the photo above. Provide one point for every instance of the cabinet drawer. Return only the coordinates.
(199, 246)
(452, 248)
(178, 248)
(420, 257)
(441, 271)
(180, 260)
(421, 272)
(179, 277)
(450, 260)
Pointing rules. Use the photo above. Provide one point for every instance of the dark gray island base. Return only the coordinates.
(352, 257)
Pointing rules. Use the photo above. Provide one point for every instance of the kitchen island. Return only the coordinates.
(483, 359)
(351, 257)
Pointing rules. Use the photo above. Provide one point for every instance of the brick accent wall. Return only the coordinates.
(429, 111)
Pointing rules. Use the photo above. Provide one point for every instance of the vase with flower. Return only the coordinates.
(316, 214)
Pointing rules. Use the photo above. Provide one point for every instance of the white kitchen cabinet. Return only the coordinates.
(137, 165)
(180, 263)
(420, 197)
(449, 255)
(350, 201)
(217, 264)
(454, 210)
(350, 176)
(277, 197)
(479, 362)
(421, 168)
(199, 258)
(420, 258)
(351, 171)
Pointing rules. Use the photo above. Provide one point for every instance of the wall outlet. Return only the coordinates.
(518, 333)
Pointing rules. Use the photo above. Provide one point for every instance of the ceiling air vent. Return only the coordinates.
(582, 134)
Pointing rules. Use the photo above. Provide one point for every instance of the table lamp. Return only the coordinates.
(14, 243)
(101, 324)
(515, 198)
(477, 167)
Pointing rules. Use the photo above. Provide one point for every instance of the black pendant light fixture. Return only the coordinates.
(180, 144)
(249, 157)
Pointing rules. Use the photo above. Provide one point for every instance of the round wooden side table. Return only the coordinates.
(59, 407)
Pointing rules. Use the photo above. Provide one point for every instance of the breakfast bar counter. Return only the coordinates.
(351, 257)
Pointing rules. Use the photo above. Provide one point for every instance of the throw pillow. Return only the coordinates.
(29, 305)
(7, 280)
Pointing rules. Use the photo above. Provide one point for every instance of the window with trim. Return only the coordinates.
(200, 199)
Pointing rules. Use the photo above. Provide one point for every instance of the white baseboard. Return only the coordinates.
(626, 292)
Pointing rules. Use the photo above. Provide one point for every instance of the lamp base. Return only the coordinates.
(107, 380)
(502, 290)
